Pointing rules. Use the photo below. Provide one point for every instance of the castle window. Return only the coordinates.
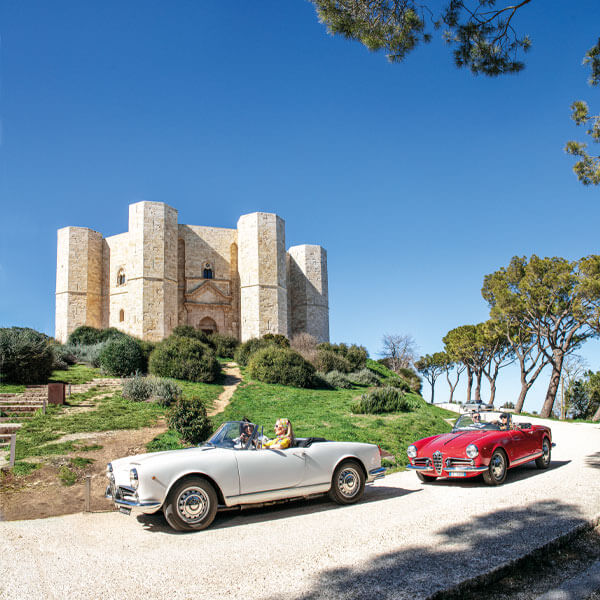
(121, 315)
(121, 279)
(208, 272)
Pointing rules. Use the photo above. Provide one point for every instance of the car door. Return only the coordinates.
(519, 444)
(267, 469)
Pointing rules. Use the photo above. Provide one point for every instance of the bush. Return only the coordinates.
(281, 365)
(166, 391)
(327, 361)
(398, 383)
(508, 405)
(247, 349)
(224, 345)
(412, 378)
(277, 339)
(88, 354)
(355, 355)
(306, 345)
(85, 336)
(147, 348)
(364, 377)
(187, 331)
(384, 400)
(63, 357)
(336, 379)
(189, 419)
(121, 356)
(184, 358)
(26, 356)
(138, 388)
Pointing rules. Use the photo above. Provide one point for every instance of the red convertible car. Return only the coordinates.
(483, 443)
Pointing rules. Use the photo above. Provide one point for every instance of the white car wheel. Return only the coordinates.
(191, 505)
(348, 483)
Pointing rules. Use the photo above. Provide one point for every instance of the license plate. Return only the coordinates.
(459, 474)
(124, 510)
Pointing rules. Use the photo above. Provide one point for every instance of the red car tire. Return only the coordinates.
(496, 473)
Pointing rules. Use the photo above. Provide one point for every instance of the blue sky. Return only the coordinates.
(418, 178)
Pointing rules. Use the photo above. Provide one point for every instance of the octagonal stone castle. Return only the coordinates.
(161, 274)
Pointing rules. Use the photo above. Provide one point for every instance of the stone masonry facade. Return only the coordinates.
(161, 274)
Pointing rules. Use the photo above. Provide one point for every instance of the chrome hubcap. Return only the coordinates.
(348, 482)
(193, 504)
(546, 451)
(497, 465)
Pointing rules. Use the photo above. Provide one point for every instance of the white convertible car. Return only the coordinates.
(231, 469)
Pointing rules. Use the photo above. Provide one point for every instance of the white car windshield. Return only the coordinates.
(476, 421)
(233, 434)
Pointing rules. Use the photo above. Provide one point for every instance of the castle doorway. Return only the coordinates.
(207, 325)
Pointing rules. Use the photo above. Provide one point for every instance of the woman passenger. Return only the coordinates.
(284, 435)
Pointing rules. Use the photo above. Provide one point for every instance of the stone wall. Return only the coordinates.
(308, 291)
(256, 287)
(263, 279)
(78, 280)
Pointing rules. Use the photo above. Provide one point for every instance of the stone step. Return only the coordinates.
(9, 401)
(9, 428)
(19, 408)
(7, 395)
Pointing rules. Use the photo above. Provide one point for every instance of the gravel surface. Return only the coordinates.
(404, 540)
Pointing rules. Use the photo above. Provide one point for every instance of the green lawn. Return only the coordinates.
(10, 388)
(325, 413)
(77, 374)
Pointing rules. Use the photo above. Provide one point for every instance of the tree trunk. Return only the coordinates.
(522, 394)
(432, 390)
(596, 416)
(478, 388)
(469, 384)
(492, 390)
(553, 385)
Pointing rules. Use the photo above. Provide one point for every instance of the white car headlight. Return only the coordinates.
(133, 479)
(411, 451)
(472, 451)
(109, 472)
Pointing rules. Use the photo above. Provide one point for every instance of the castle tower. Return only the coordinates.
(263, 280)
(78, 280)
(152, 272)
(308, 291)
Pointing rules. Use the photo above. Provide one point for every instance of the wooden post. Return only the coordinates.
(88, 492)
(45, 403)
(13, 443)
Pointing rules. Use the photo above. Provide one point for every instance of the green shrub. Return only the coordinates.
(121, 356)
(398, 383)
(147, 348)
(85, 335)
(67, 476)
(26, 356)
(412, 378)
(166, 391)
(187, 331)
(247, 349)
(281, 365)
(189, 419)
(88, 354)
(138, 388)
(355, 355)
(364, 377)
(277, 339)
(327, 361)
(337, 379)
(384, 400)
(224, 345)
(184, 358)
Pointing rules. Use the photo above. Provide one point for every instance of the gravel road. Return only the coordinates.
(404, 540)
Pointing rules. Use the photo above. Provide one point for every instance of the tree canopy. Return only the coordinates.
(554, 300)
(483, 37)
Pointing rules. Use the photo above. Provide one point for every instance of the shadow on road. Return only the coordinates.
(456, 553)
(282, 510)
(593, 460)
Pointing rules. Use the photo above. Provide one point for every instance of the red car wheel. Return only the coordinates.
(543, 462)
(496, 473)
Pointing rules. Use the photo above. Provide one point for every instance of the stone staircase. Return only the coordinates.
(35, 397)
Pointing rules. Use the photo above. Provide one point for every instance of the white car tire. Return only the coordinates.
(347, 483)
(191, 504)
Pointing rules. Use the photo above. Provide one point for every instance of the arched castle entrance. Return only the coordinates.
(207, 325)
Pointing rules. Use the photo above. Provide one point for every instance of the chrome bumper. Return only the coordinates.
(128, 502)
(376, 474)
(465, 469)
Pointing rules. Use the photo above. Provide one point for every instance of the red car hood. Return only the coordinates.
(450, 443)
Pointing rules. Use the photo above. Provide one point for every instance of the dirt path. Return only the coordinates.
(233, 378)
